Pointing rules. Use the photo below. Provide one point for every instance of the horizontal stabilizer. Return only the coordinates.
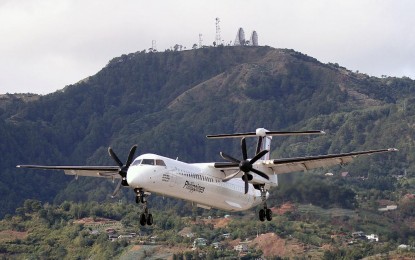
(262, 132)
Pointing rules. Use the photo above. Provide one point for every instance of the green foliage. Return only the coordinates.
(316, 190)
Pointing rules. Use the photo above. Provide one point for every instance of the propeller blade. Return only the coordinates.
(131, 156)
(263, 175)
(246, 182)
(243, 147)
(117, 189)
(229, 158)
(115, 157)
(258, 156)
(227, 178)
(219, 165)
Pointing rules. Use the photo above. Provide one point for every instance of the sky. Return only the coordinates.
(46, 45)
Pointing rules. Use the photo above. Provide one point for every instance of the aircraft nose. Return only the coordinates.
(138, 176)
(132, 177)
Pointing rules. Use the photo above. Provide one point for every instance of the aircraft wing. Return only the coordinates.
(279, 166)
(90, 171)
(307, 163)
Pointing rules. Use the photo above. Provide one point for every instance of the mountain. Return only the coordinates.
(167, 102)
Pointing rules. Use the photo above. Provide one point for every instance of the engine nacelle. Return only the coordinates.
(255, 179)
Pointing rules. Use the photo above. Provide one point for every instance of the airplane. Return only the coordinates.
(233, 185)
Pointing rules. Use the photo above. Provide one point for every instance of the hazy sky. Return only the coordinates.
(48, 44)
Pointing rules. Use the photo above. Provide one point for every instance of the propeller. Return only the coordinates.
(245, 165)
(117, 189)
(123, 168)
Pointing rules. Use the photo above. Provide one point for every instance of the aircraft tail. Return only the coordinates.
(265, 137)
(263, 143)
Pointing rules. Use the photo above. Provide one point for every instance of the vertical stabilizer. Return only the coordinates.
(264, 142)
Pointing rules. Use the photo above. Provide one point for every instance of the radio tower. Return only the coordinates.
(153, 46)
(200, 40)
(218, 40)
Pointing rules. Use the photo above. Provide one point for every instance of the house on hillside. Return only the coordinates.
(153, 239)
(226, 235)
(242, 247)
(404, 247)
(199, 242)
(127, 236)
(112, 237)
(217, 245)
(388, 208)
(372, 238)
(359, 235)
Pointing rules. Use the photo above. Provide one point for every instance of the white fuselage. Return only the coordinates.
(200, 183)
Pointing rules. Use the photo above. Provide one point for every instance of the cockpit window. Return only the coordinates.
(160, 163)
(147, 161)
(136, 162)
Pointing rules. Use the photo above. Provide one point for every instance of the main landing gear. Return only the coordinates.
(146, 218)
(264, 213)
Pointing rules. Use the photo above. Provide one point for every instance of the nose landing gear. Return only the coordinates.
(146, 218)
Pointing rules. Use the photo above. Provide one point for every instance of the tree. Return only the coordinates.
(31, 205)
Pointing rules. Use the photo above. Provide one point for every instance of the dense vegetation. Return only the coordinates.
(61, 231)
(167, 102)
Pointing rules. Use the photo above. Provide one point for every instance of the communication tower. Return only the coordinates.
(200, 40)
(218, 40)
(153, 46)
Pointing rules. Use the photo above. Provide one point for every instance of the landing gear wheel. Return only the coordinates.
(149, 219)
(268, 214)
(261, 214)
(143, 220)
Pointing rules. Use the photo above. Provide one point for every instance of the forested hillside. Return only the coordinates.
(167, 102)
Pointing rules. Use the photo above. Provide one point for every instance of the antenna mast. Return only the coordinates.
(153, 46)
(200, 40)
(218, 40)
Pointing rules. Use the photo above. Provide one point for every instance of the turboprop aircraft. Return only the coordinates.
(234, 185)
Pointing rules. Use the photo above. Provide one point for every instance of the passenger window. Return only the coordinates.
(148, 161)
(160, 163)
(136, 162)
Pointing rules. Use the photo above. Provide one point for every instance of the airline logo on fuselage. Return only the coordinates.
(191, 186)
(165, 177)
